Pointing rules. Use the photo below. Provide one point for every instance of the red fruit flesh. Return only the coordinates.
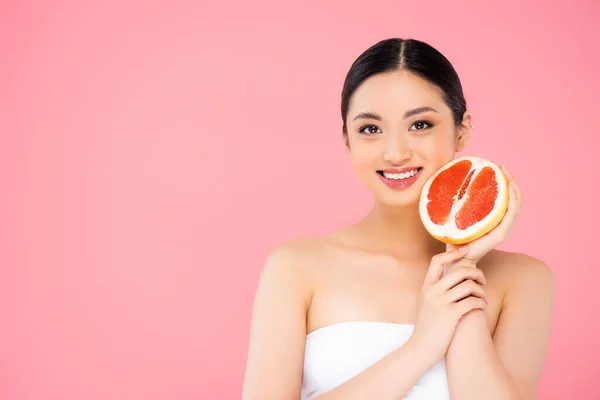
(482, 197)
(443, 189)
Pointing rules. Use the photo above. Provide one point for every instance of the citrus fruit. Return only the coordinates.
(464, 200)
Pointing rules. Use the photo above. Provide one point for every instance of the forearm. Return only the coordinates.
(388, 379)
(473, 367)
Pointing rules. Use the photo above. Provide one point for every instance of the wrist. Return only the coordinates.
(469, 263)
(423, 357)
(477, 318)
(471, 330)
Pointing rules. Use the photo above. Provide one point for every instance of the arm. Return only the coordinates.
(278, 330)
(507, 366)
(388, 379)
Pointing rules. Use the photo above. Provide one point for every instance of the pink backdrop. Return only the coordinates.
(152, 154)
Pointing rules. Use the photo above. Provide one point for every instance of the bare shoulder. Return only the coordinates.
(518, 271)
(517, 265)
(296, 254)
(293, 262)
(298, 247)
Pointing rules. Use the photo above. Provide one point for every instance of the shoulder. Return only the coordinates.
(291, 264)
(521, 274)
(295, 254)
(521, 266)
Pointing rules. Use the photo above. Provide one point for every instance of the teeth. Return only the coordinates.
(402, 175)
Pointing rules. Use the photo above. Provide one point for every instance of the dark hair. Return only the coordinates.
(412, 55)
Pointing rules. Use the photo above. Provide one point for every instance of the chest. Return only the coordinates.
(378, 291)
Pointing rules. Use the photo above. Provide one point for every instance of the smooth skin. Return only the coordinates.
(490, 314)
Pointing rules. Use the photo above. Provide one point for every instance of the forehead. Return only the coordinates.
(391, 93)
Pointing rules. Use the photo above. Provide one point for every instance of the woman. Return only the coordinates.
(369, 312)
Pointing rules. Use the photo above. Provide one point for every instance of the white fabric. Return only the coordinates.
(336, 353)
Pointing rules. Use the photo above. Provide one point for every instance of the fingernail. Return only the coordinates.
(464, 249)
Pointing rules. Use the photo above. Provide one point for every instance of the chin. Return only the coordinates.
(409, 199)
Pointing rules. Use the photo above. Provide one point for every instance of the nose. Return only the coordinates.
(397, 149)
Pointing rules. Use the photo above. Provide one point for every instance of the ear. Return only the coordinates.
(464, 131)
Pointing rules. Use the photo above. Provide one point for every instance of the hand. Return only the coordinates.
(480, 247)
(444, 301)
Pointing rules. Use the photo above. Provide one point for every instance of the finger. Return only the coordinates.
(504, 228)
(514, 205)
(516, 199)
(509, 176)
(514, 191)
(460, 274)
(469, 304)
(464, 290)
(518, 194)
(439, 260)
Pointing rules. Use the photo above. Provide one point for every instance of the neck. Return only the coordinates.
(399, 231)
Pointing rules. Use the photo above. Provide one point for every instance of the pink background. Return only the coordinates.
(152, 154)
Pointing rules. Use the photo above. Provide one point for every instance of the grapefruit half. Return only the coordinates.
(464, 200)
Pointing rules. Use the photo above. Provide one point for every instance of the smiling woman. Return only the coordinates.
(369, 311)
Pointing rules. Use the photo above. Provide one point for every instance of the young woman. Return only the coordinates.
(369, 312)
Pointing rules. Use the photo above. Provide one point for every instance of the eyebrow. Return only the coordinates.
(408, 114)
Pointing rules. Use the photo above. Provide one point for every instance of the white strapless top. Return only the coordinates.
(336, 353)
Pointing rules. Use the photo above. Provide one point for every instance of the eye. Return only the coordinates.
(420, 125)
(370, 129)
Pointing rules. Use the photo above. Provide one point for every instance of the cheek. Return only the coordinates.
(436, 147)
(365, 154)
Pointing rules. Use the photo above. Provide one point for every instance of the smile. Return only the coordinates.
(401, 175)
(400, 179)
